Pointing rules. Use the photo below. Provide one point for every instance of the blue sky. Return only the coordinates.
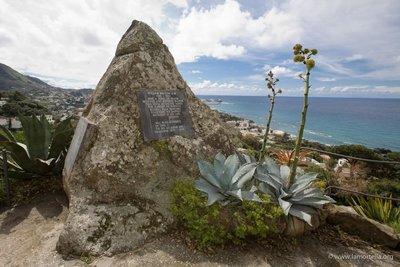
(221, 47)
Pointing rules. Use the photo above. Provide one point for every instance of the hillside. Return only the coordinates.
(12, 80)
(60, 101)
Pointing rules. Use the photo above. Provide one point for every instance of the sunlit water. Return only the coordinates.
(370, 122)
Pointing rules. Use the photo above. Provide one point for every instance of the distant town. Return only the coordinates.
(57, 106)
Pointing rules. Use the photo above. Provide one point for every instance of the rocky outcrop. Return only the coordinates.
(350, 221)
(118, 185)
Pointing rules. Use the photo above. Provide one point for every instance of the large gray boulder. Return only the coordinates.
(350, 221)
(119, 185)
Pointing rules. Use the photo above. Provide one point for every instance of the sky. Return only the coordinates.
(221, 47)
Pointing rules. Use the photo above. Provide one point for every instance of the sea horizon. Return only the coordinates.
(372, 122)
(289, 96)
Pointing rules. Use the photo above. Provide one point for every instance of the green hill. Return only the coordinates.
(12, 80)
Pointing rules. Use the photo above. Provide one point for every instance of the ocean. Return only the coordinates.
(374, 123)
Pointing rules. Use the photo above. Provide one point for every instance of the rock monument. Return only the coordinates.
(143, 130)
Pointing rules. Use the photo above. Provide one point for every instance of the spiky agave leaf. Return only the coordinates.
(19, 154)
(219, 161)
(34, 158)
(6, 135)
(226, 177)
(38, 136)
(61, 138)
(212, 192)
(208, 173)
(300, 199)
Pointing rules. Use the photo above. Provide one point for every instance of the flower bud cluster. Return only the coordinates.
(304, 55)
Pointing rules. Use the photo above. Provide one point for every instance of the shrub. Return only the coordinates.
(377, 209)
(395, 226)
(330, 164)
(251, 141)
(385, 187)
(323, 174)
(217, 224)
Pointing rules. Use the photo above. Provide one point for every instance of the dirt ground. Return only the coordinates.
(29, 233)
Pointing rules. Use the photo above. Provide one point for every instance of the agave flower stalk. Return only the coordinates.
(271, 83)
(304, 56)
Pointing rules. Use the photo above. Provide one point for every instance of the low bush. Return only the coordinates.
(385, 187)
(217, 224)
(325, 177)
(378, 209)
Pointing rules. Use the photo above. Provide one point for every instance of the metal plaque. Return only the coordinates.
(164, 114)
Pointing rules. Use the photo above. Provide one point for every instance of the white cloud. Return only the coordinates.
(207, 87)
(226, 31)
(279, 71)
(195, 72)
(354, 57)
(319, 89)
(348, 88)
(75, 39)
(333, 66)
(326, 79)
(256, 77)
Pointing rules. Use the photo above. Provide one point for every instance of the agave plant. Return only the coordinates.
(376, 208)
(226, 178)
(299, 199)
(44, 151)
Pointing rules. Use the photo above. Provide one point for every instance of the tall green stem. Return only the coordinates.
(301, 129)
(271, 109)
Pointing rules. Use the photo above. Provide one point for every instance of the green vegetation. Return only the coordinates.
(217, 225)
(302, 55)
(299, 199)
(161, 146)
(271, 83)
(251, 142)
(226, 178)
(43, 153)
(325, 177)
(239, 177)
(19, 136)
(377, 209)
(358, 151)
(385, 187)
(19, 105)
(378, 170)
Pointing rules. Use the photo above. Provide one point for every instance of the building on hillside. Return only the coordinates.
(49, 118)
(10, 122)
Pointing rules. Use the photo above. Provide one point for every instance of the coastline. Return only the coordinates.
(226, 117)
(372, 123)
